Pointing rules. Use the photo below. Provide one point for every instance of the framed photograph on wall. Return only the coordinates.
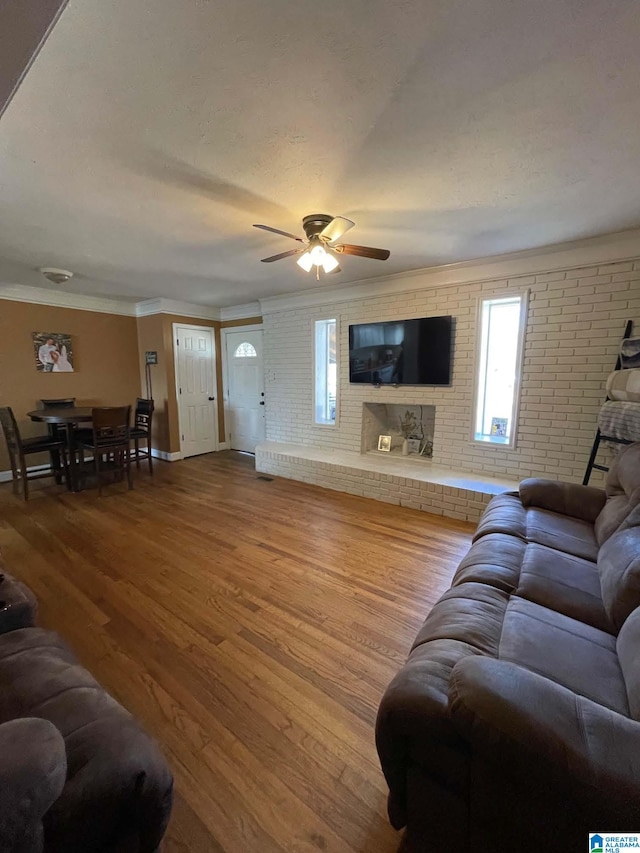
(384, 443)
(53, 352)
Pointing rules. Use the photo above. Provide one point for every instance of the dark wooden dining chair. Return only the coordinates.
(142, 431)
(56, 430)
(109, 442)
(19, 448)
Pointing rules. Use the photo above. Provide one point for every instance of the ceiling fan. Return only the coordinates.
(321, 245)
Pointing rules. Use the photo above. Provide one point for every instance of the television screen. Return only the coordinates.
(401, 352)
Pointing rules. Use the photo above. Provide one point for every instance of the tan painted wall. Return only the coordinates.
(151, 337)
(109, 359)
(105, 348)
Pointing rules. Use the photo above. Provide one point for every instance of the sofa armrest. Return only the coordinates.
(33, 769)
(584, 502)
(509, 714)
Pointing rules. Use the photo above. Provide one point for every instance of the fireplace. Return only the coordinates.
(400, 421)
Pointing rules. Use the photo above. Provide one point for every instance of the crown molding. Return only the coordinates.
(170, 306)
(60, 299)
(610, 248)
(595, 251)
(240, 312)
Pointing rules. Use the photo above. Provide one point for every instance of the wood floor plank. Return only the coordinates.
(252, 627)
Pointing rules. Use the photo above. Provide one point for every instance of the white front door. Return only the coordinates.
(195, 381)
(245, 392)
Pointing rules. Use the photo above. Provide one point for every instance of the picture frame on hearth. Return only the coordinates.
(384, 443)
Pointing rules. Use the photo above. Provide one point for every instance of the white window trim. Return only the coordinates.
(522, 328)
(315, 424)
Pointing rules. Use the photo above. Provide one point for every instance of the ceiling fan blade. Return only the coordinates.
(338, 226)
(363, 252)
(278, 231)
(281, 256)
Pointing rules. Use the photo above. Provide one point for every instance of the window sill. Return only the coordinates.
(494, 441)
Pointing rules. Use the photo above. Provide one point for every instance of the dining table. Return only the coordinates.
(67, 418)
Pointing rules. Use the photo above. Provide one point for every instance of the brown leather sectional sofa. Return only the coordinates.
(78, 774)
(515, 723)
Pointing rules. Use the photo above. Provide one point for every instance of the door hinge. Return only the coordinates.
(183, 438)
(177, 341)
(180, 389)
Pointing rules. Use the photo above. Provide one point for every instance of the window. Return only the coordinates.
(245, 350)
(326, 373)
(501, 333)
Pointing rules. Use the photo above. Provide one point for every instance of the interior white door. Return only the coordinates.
(245, 393)
(196, 377)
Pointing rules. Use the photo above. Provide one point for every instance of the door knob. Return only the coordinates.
(212, 398)
(262, 402)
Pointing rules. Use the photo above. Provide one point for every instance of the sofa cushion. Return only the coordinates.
(561, 532)
(584, 502)
(495, 559)
(619, 569)
(471, 613)
(504, 514)
(577, 656)
(554, 579)
(627, 647)
(564, 583)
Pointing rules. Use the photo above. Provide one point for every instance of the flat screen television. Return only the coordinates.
(402, 352)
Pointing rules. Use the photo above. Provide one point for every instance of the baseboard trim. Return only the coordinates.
(7, 476)
(167, 457)
(223, 445)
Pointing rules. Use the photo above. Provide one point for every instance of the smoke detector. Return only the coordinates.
(55, 275)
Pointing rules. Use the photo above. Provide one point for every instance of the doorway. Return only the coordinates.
(196, 391)
(244, 380)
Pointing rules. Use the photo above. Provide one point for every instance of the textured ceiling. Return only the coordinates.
(149, 135)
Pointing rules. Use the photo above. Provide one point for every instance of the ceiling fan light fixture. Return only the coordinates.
(329, 263)
(318, 254)
(323, 232)
(305, 261)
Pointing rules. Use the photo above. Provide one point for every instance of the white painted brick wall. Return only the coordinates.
(575, 323)
(449, 501)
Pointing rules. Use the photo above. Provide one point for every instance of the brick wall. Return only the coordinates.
(575, 323)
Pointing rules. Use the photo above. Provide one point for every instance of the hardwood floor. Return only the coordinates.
(252, 627)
